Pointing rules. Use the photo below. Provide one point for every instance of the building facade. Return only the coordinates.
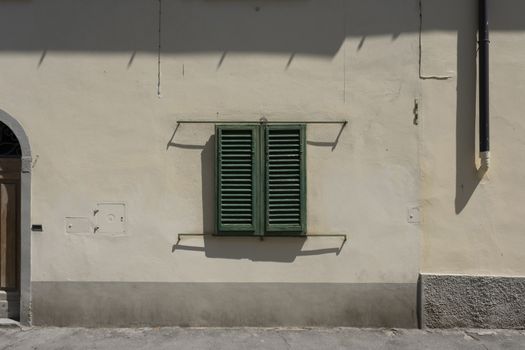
(356, 196)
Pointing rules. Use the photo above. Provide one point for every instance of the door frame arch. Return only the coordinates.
(25, 216)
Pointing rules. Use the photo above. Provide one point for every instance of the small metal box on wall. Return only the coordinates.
(79, 225)
(110, 218)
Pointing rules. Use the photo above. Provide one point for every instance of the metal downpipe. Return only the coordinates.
(483, 66)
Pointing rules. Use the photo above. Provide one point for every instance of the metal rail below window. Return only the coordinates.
(261, 237)
(343, 122)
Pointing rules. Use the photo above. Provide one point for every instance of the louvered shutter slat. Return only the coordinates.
(285, 184)
(236, 179)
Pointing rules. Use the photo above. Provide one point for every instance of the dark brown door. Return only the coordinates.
(9, 225)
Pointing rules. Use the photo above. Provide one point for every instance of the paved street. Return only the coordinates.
(255, 338)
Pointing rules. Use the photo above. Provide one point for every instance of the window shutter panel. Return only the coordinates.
(236, 179)
(285, 180)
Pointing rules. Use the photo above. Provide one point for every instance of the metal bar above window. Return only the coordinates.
(343, 122)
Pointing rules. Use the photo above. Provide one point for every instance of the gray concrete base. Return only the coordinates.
(99, 304)
(472, 302)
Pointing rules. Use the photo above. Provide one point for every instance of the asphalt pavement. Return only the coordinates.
(257, 338)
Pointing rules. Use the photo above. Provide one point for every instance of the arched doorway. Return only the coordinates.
(10, 170)
(15, 230)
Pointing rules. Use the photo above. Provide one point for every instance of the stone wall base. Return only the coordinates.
(450, 301)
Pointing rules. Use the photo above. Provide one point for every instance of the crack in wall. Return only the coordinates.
(344, 52)
(159, 50)
(421, 76)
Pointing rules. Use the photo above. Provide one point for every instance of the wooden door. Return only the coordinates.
(9, 224)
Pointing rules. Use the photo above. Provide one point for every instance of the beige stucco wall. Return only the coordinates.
(83, 80)
(100, 131)
(473, 221)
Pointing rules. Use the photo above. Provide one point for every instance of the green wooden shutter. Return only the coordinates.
(285, 185)
(236, 179)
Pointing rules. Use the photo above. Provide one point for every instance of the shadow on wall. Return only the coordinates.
(189, 26)
(276, 249)
(251, 248)
(316, 27)
(468, 176)
(292, 27)
(464, 20)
